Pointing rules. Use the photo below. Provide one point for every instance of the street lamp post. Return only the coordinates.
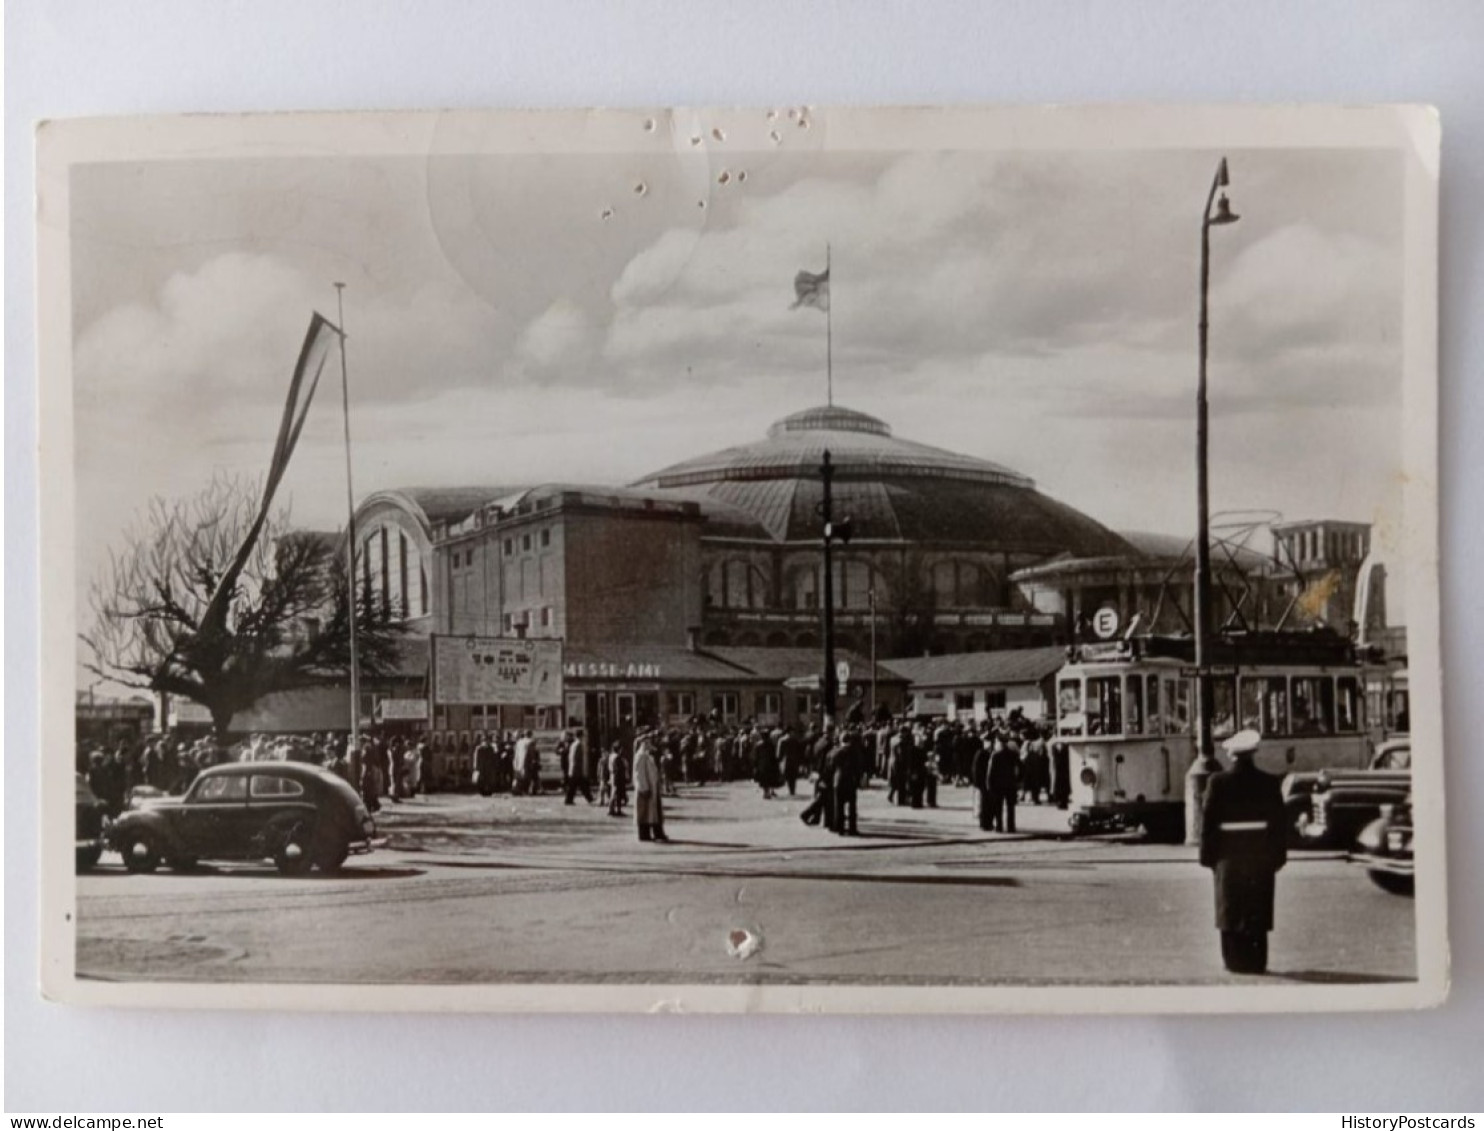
(1205, 763)
(827, 705)
(833, 532)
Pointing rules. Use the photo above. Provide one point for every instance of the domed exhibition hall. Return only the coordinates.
(697, 588)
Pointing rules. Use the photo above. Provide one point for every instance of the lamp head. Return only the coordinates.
(1224, 213)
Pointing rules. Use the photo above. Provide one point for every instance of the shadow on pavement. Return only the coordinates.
(259, 872)
(1335, 977)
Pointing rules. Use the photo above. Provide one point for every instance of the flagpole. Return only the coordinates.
(829, 336)
(350, 527)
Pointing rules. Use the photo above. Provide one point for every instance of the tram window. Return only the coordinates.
(1105, 705)
(1401, 714)
(1347, 704)
(1313, 705)
(1223, 706)
(1134, 716)
(1265, 704)
(1153, 715)
(1069, 706)
(1177, 706)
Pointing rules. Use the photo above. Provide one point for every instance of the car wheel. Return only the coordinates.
(1391, 882)
(140, 853)
(87, 858)
(294, 858)
(332, 856)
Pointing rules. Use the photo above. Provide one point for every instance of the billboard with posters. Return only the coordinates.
(470, 670)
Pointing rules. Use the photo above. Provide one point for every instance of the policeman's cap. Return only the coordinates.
(1243, 742)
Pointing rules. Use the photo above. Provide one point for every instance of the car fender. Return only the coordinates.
(150, 821)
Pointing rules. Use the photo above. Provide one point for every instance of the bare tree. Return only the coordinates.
(906, 604)
(287, 617)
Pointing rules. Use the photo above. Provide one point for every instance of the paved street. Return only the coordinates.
(525, 889)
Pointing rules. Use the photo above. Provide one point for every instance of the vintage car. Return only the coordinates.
(1328, 807)
(299, 816)
(92, 826)
(1384, 849)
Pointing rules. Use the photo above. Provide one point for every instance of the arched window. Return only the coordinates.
(803, 587)
(736, 584)
(853, 582)
(958, 584)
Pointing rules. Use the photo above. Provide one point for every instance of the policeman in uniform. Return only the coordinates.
(1244, 842)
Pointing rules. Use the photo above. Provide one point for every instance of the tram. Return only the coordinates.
(1126, 712)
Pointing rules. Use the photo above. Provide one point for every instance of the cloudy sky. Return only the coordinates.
(592, 318)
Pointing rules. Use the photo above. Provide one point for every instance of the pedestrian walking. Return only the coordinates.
(486, 765)
(577, 779)
(371, 782)
(618, 776)
(1037, 768)
(791, 756)
(1244, 843)
(845, 780)
(649, 812)
(979, 778)
(1061, 775)
(765, 764)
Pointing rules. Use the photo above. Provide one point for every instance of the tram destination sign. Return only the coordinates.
(494, 670)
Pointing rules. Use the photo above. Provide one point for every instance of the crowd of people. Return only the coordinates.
(1005, 760)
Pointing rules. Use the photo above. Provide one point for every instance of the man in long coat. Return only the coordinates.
(1244, 842)
(791, 758)
(577, 779)
(649, 810)
(486, 765)
(1004, 782)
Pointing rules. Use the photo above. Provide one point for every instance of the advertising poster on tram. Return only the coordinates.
(470, 670)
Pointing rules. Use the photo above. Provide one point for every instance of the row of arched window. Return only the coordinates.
(737, 583)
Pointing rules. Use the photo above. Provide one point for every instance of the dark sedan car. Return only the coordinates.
(299, 816)
(1384, 849)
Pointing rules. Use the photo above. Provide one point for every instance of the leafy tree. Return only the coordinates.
(284, 623)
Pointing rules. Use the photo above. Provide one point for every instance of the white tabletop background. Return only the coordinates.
(68, 57)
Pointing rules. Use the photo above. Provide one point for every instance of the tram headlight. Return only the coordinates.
(1089, 776)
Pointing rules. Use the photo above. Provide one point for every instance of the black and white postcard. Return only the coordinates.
(784, 559)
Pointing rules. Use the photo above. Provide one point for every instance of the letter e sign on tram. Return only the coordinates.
(1105, 623)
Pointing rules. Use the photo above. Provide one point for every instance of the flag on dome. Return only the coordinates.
(812, 290)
